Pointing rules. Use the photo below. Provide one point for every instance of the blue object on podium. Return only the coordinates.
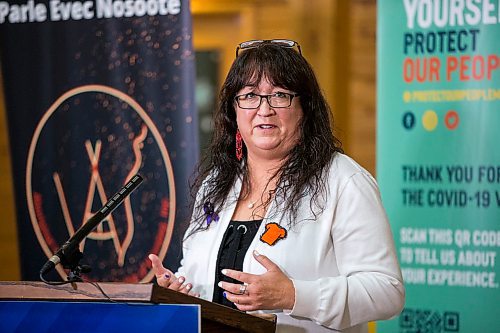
(137, 307)
(75, 317)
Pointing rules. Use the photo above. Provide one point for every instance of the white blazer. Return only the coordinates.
(343, 264)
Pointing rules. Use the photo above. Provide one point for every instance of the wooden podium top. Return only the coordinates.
(215, 317)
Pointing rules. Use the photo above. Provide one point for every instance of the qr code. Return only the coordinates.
(428, 321)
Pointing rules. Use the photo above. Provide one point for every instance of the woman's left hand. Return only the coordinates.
(269, 291)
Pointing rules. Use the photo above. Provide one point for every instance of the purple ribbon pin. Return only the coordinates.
(208, 208)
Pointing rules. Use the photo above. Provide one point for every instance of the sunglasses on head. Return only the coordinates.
(287, 43)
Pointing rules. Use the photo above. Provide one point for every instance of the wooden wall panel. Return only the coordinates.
(362, 82)
(9, 254)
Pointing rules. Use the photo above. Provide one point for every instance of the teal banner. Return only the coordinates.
(438, 162)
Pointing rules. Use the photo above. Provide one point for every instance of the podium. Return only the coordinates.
(214, 317)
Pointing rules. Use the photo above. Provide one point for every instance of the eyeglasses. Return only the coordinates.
(287, 43)
(276, 100)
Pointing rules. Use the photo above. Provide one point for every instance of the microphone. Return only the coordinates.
(68, 249)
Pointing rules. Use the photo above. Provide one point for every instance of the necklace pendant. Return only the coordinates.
(250, 205)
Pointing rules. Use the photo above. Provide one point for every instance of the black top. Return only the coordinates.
(235, 243)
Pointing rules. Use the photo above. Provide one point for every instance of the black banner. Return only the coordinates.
(97, 91)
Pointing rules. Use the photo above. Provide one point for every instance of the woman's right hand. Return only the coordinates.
(166, 279)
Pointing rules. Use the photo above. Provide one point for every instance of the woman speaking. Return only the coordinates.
(283, 221)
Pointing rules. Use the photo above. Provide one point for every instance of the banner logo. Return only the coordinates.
(87, 145)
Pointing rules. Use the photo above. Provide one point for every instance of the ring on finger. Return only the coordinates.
(243, 288)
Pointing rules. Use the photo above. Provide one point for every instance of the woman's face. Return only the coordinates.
(269, 132)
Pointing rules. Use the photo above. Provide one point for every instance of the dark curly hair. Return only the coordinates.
(302, 172)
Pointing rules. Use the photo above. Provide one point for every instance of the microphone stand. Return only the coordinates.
(69, 255)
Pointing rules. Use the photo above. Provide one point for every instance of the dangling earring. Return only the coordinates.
(239, 146)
